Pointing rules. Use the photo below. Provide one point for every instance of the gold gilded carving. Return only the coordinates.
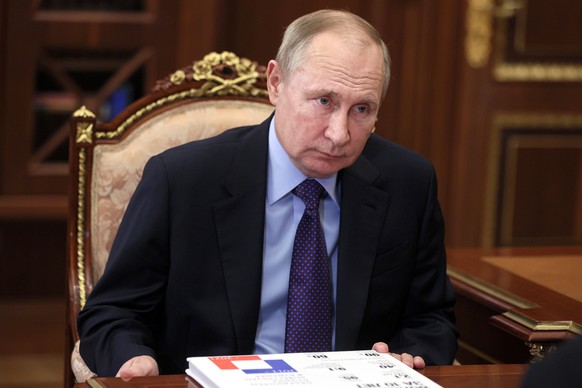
(539, 350)
(84, 128)
(178, 77)
(217, 70)
(84, 131)
(81, 229)
(84, 113)
(479, 25)
(532, 324)
(538, 72)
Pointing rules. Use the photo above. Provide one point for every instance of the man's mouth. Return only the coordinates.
(332, 155)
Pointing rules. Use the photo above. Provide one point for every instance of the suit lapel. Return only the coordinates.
(240, 229)
(363, 210)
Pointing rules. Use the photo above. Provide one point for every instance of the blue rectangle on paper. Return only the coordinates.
(277, 366)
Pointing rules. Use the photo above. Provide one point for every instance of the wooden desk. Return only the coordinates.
(515, 303)
(474, 376)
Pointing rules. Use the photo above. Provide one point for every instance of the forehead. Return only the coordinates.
(332, 61)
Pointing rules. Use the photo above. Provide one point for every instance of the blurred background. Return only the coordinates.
(489, 90)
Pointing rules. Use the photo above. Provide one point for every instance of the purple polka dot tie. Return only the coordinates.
(309, 307)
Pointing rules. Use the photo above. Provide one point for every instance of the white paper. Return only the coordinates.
(354, 369)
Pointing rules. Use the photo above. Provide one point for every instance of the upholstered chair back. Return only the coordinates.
(218, 92)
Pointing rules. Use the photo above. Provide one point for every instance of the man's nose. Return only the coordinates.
(338, 129)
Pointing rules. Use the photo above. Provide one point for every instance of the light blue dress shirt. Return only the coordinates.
(283, 211)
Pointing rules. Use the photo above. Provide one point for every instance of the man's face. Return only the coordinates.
(326, 109)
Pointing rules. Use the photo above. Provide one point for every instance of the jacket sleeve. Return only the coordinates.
(122, 312)
(428, 323)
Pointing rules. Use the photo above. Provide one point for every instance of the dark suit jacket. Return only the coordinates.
(184, 275)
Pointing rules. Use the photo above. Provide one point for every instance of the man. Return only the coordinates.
(202, 260)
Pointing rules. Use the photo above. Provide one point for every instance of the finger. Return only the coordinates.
(419, 362)
(380, 347)
(407, 359)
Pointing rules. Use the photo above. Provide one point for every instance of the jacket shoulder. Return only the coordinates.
(384, 153)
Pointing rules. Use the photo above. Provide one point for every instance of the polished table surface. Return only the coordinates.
(458, 376)
(541, 285)
(515, 304)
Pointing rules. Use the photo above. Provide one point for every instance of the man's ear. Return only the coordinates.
(273, 81)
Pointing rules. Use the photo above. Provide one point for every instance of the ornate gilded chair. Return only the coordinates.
(106, 160)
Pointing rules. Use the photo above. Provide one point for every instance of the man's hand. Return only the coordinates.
(138, 366)
(415, 362)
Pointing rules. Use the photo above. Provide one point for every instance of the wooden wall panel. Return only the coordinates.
(32, 258)
(496, 82)
(535, 181)
(549, 30)
(197, 30)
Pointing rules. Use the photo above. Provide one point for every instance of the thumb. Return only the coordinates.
(138, 366)
(127, 372)
(380, 347)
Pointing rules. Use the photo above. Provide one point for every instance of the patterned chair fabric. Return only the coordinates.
(220, 91)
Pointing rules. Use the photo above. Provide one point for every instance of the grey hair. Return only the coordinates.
(299, 33)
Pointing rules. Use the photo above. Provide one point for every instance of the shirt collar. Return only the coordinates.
(283, 176)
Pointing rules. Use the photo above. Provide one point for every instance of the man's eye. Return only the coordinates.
(361, 109)
(322, 101)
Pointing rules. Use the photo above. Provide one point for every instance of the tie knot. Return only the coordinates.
(309, 191)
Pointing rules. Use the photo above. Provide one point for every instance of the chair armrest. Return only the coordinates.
(80, 369)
